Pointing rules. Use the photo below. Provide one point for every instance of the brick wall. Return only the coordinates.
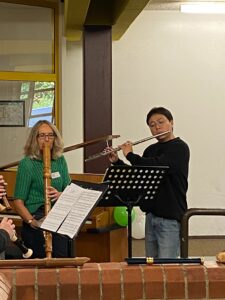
(118, 281)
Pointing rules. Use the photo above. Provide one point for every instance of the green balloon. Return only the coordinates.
(121, 216)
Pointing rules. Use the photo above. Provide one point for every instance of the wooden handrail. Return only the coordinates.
(45, 262)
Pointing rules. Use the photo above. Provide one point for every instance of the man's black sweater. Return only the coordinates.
(170, 201)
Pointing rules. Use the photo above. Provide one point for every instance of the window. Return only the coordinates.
(28, 68)
(41, 96)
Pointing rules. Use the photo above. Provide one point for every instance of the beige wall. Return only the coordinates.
(176, 60)
(171, 59)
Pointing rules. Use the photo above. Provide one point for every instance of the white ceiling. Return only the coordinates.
(171, 4)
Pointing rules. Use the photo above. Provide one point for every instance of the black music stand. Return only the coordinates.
(129, 186)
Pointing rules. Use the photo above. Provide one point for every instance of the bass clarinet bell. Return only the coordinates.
(27, 253)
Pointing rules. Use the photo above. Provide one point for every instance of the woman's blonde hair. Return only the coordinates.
(32, 148)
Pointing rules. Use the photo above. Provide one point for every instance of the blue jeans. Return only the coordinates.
(162, 237)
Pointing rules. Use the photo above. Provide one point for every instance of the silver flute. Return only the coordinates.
(104, 153)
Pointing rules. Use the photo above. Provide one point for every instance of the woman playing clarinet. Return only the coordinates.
(31, 190)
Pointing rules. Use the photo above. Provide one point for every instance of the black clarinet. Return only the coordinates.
(27, 253)
(151, 260)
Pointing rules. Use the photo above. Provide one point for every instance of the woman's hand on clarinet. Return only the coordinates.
(113, 156)
(8, 226)
(2, 187)
(52, 193)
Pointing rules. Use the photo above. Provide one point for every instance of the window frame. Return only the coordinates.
(33, 76)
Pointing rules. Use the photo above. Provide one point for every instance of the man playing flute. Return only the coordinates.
(164, 213)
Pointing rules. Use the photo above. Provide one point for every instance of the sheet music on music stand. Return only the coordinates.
(72, 209)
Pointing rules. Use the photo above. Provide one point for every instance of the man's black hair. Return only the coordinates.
(161, 111)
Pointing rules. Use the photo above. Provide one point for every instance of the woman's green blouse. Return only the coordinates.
(30, 181)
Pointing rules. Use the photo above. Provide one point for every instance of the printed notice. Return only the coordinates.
(70, 210)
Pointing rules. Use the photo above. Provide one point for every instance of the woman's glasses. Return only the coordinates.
(49, 135)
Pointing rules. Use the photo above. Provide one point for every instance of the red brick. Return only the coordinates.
(153, 282)
(111, 265)
(103, 281)
(111, 285)
(196, 282)
(68, 283)
(47, 284)
(175, 286)
(132, 282)
(89, 266)
(216, 278)
(25, 284)
(89, 280)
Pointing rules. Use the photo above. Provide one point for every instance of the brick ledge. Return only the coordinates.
(118, 281)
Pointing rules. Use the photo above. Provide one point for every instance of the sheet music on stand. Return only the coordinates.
(71, 210)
